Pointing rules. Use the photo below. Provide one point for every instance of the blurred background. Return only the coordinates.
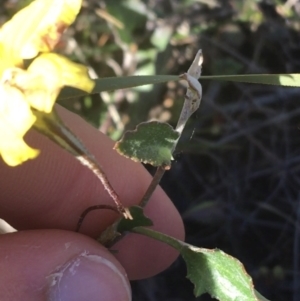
(236, 174)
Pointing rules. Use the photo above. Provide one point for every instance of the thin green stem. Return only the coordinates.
(171, 241)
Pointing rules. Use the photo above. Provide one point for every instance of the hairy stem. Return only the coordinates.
(92, 208)
(160, 171)
(53, 127)
(97, 170)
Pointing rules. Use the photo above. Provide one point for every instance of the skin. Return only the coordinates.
(45, 197)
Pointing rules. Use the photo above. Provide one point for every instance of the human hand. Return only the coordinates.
(44, 198)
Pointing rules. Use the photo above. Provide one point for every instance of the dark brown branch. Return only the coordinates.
(92, 208)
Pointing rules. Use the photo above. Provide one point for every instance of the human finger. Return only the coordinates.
(58, 265)
(53, 190)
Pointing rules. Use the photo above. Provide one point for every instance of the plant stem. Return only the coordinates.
(91, 208)
(97, 170)
(160, 171)
(53, 127)
(194, 91)
(191, 104)
(171, 241)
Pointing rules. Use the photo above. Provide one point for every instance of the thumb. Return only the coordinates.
(57, 265)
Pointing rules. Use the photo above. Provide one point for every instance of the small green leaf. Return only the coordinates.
(139, 219)
(211, 271)
(115, 83)
(115, 231)
(152, 142)
(286, 80)
(217, 273)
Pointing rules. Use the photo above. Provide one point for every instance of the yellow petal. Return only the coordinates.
(7, 60)
(46, 76)
(16, 151)
(40, 86)
(38, 27)
(15, 120)
(71, 74)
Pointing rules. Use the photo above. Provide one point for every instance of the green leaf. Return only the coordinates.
(109, 236)
(211, 271)
(152, 142)
(128, 15)
(286, 80)
(161, 36)
(260, 297)
(139, 219)
(115, 83)
(217, 273)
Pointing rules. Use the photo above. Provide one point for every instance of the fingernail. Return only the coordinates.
(88, 277)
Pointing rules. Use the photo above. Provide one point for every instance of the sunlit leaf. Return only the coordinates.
(115, 83)
(286, 80)
(38, 27)
(151, 142)
(130, 16)
(15, 120)
(161, 36)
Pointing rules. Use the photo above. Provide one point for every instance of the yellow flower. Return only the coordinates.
(32, 33)
(16, 119)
